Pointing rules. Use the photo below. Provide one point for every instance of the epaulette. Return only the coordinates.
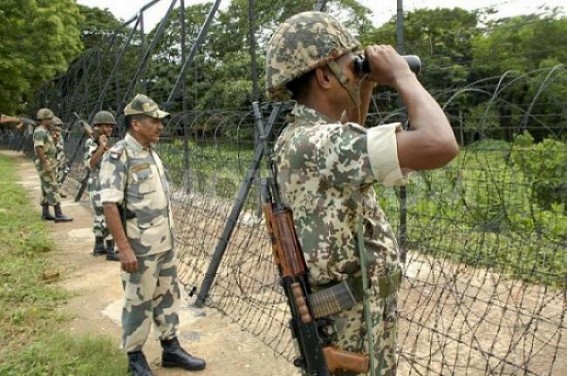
(117, 150)
(357, 127)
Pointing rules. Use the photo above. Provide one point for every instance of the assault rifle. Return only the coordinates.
(16, 120)
(309, 328)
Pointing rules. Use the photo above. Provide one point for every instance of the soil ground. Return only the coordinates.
(96, 300)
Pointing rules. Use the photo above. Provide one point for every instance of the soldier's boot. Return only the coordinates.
(173, 355)
(45, 215)
(99, 248)
(59, 217)
(137, 364)
(110, 251)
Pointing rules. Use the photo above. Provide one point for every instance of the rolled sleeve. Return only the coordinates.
(112, 178)
(110, 195)
(383, 154)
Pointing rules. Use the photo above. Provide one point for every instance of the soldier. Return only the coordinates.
(95, 146)
(60, 158)
(327, 168)
(136, 199)
(45, 163)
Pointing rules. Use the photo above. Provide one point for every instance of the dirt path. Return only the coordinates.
(97, 298)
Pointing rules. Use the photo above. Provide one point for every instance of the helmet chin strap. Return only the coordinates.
(354, 92)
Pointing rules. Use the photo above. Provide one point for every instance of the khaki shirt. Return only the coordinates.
(326, 173)
(132, 174)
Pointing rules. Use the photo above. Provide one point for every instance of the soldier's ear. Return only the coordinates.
(135, 124)
(323, 77)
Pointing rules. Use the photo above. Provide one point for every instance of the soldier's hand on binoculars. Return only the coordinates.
(387, 67)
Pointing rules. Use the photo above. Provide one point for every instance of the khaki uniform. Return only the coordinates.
(49, 187)
(134, 178)
(326, 172)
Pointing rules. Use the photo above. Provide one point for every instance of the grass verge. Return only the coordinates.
(33, 340)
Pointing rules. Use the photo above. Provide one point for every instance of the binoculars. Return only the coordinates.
(361, 65)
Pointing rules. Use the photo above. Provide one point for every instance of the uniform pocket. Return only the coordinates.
(141, 183)
(391, 312)
(146, 223)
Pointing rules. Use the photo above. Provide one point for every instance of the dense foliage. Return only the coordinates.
(39, 39)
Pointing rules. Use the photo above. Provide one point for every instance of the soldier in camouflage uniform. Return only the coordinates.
(95, 146)
(45, 164)
(136, 199)
(60, 158)
(327, 165)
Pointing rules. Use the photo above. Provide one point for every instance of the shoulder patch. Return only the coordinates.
(117, 150)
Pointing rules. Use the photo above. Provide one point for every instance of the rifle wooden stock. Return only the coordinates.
(9, 119)
(286, 248)
(340, 360)
(288, 256)
(15, 119)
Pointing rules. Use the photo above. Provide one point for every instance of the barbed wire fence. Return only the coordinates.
(485, 238)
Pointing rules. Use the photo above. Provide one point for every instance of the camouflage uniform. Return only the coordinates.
(134, 177)
(61, 159)
(93, 185)
(49, 187)
(326, 172)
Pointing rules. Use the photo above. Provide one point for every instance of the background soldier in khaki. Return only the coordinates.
(45, 164)
(60, 158)
(327, 167)
(136, 200)
(95, 146)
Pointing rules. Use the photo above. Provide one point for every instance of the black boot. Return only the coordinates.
(110, 251)
(45, 213)
(137, 364)
(99, 248)
(174, 356)
(59, 217)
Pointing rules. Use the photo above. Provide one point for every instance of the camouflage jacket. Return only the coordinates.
(42, 138)
(60, 157)
(326, 172)
(135, 176)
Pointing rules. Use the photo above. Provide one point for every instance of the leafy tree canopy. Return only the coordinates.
(52, 39)
(96, 26)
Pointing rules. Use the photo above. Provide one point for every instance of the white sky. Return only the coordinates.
(383, 10)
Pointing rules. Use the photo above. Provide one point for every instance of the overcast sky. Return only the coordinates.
(382, 10)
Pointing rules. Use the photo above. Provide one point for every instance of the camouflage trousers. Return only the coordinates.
(99, 221)
(350, 332)
(49, 187)
(151, 294)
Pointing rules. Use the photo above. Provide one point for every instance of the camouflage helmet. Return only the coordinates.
(144, 105)
(302, 43)
(56, 121)
(45, 113)
(104, 117)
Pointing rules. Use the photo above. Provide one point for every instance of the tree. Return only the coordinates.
(529, 51)
(96, 26)
(39, 38)
(229, 44)
(442, 38)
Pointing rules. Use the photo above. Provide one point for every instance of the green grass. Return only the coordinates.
(33, 340)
